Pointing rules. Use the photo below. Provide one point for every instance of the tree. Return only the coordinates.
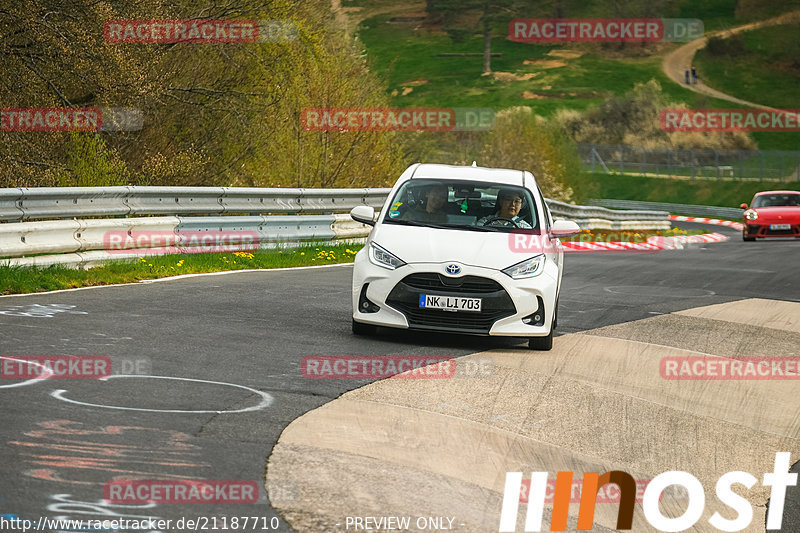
(521, 140)
(462, 18)
(214, 113)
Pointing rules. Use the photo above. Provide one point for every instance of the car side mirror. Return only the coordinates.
(364, 214)
(564, 228)
(743, 206)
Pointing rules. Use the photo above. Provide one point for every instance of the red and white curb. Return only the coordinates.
(716, 222)
(653, 244)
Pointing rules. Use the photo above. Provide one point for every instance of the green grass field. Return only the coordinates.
(701, 192)
(406, 56)
(766, 70)
(21, 280)
(408, 59)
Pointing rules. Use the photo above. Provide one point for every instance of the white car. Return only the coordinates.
(461, 249)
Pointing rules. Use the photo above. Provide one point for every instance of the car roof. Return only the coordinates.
(499, 175)
(777, 192)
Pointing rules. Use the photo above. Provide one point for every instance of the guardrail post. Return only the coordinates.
(643, 171)
(783, 176)
(658, 167)
(691, 162)
(669, 162)
(741, 170)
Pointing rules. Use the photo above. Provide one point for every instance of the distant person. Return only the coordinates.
(686, 75)
(509, 203)
(694, 75)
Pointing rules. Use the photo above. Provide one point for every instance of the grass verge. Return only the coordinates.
(705, 192)
(760, 66)
(24, 279)
(603, 235)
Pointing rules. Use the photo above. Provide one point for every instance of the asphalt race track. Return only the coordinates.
(218, 376)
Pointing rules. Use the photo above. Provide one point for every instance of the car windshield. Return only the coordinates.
(777, 200)
(454, 204)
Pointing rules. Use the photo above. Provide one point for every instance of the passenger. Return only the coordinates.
(509, 203)
(434, 208)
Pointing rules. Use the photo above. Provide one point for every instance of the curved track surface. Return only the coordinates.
(230, 346)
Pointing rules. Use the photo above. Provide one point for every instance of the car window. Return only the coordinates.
(548, 218)
(459, 204)
(777, 200)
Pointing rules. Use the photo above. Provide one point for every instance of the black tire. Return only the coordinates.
(555, 315)
(364, 329)
(544, 343)
(541, 343)
(746, 238)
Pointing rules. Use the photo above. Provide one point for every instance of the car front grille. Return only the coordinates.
(496, 302)
(465, 284)
(755, 230)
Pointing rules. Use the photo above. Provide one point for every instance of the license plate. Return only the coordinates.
(780, 226)
(449, 303)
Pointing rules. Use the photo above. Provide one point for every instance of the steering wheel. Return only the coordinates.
(492, 219)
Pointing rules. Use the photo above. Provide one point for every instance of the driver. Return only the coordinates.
(509, 202)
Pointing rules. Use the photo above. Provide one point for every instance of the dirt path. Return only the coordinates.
(349, 18)
(675, 62)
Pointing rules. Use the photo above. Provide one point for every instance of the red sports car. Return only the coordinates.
(772, 214)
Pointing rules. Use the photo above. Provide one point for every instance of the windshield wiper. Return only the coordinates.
(441, 226)
(412, 223)
(469, 227)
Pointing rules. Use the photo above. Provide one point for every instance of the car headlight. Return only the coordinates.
(526, 269)
(382, 258)
(751, 214)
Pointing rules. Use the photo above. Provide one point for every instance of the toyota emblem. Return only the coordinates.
(452, 269)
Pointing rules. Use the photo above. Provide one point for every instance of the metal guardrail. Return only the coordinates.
(593, 217)
(21, 204)
(32, 234)
(725, 213)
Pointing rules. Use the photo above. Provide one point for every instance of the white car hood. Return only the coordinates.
(430, 245)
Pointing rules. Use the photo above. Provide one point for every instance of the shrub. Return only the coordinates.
(633, 119)
(91, 164)
(521, 140)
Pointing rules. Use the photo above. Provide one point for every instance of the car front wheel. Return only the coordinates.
(541, 343)
(364, 329)
(544, 343)
(746, 238)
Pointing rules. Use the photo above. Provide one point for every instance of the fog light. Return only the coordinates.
(537, 318)
(364, 304)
